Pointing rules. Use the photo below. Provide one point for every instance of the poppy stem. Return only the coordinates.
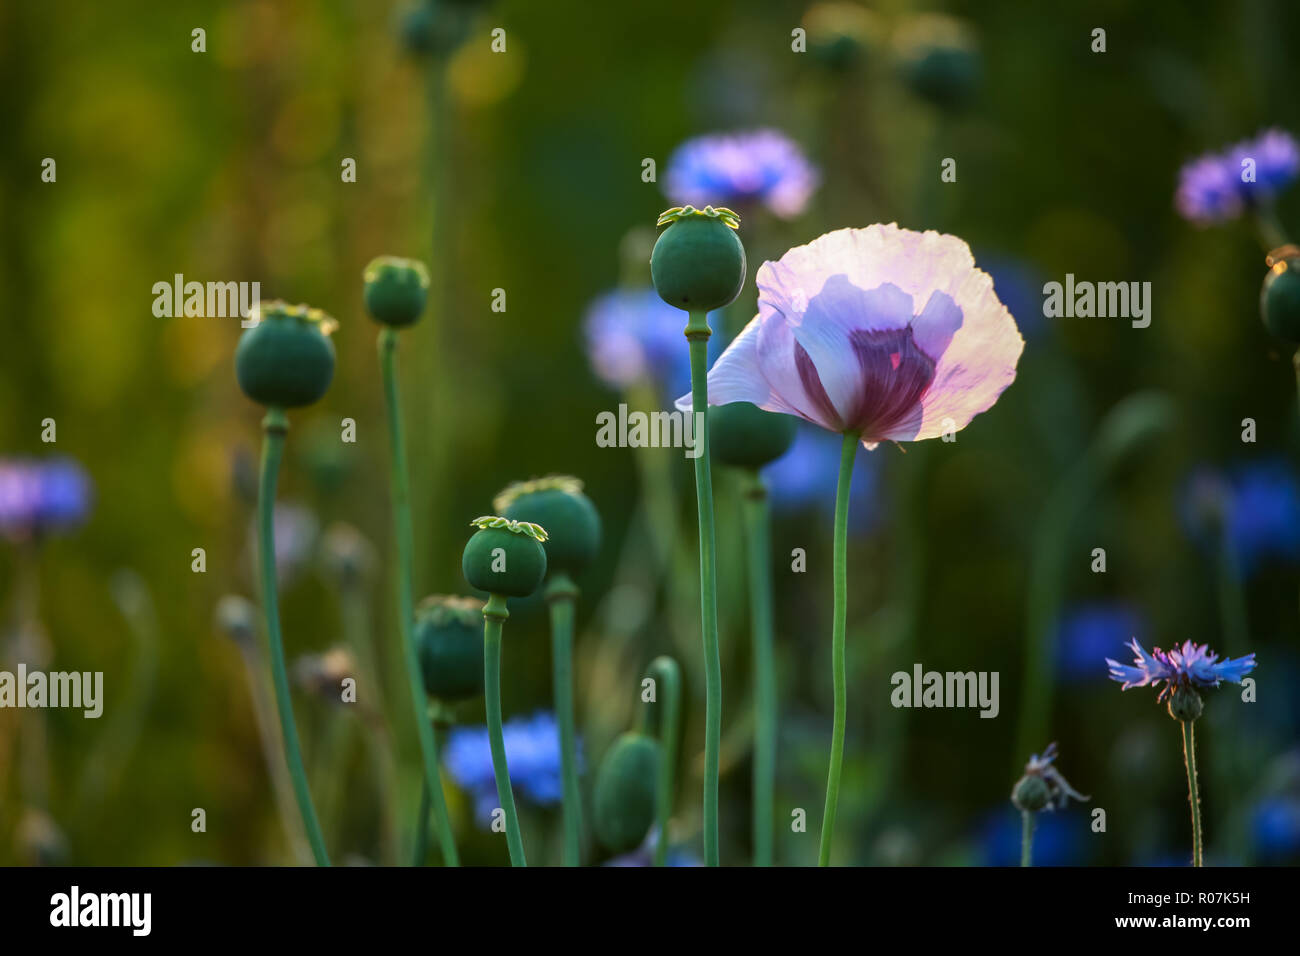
(765, 706)
(847, 453)
(668, 684)
(275, 425)
(405, 602)
(1026, 838)
(494, 615)
(1189, 757)
(560, 596)
(697, 333)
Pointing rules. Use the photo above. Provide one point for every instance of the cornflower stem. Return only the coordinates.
(668, 681)
(758, 533)
(561, 594)
(697, 334)
(274, 426)
(495, 615)
(405, 602)
(1193, 797)
(847, 453)
(1026, 838)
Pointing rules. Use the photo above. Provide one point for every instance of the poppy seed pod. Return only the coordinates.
(449, 634)
(505, 557)
(625, 792)
(745, 436)
(557, 504)
(940, 60)
(286, 360)
(698, 262)
(1279, 300)
(396, 290)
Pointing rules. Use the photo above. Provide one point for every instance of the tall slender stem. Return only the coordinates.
(494, 615)
(760, 604)
(560, 595)
(847, 453)
(1189, 757)
(426, 805)
(697, 333)
(405, 602)
(668, 680)
(275, 425)
(1026, 838)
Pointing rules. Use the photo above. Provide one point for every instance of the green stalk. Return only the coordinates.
(494, 615)
(1026, 838)
(275, 425)
(405, 602)
(667, 677)
(1189, 758)
(560, 596)
(847, 453)
(758, 533)
(697, 333)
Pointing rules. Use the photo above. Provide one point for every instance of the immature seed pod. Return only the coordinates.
(1279, 299)
(625, 792)
(449, 635)
(396, 290)
(745, 436)
(557, 503)
(698, 262)
(505, 557)
(286, 360)
(1031, 793)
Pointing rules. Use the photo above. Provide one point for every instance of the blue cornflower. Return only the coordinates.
(735, 169)
(1256, 507)
(532, 753)
(1019, 286)
(1212, 188)
(1088, 630)
(634, 336)
(799, 479)
(1275, 823)
(39, 497)
(1188, 666)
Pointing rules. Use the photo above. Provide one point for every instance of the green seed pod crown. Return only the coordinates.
(505, 557)
(449, 634)
(1279, 299)
(698, 262)
(625, 792)
(745, 436)
(395, 290)
(557, 503)
(286, 360)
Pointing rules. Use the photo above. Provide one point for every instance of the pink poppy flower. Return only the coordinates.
(889, 333)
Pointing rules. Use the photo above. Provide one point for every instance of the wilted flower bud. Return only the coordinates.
(323, 674)
(698, 262)
(625, 792)
(1042, 787)
(505, 557)
(347, 555)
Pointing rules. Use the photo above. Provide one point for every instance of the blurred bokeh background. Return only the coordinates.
(522, 171)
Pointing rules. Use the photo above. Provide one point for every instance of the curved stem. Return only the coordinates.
(560, 595)
(697, 333)
(667, 677)
(275, 425)
(760, 603)
(1026, 838)
(494, 615)
(1189, 758)
(405, 602)
(847, 453)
